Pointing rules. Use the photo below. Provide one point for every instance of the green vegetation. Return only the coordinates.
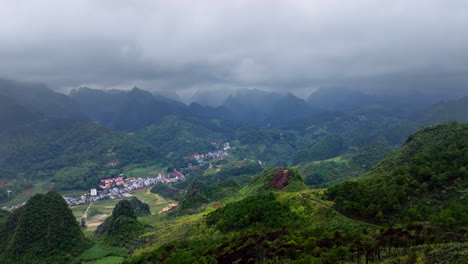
(371, 155)
(327, 147)
(141, 209)
(122, 227)
(424, 180)
(42, 231)
(268, 145)
(296, 226)
(263, 210)
(224, 171)
(446, 111)
(100, 254)
(76, 155)
(4, 214)
(177, 137)
(287, 180)
(407, 206)
(321, 174)
(166, 191)
(196, 196)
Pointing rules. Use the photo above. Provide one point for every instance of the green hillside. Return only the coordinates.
(42, 231)
(177, 137)
(423, 181)
(274, 217)
(420, 190)
(122, 227)
(274, 179)
(196, 196)
(454, 110)
(72, 154)
(320, 174)
(327, 147)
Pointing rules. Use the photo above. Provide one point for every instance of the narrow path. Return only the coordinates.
(85, 215)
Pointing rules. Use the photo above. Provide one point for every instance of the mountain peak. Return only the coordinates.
(284, 179)
(44, 230)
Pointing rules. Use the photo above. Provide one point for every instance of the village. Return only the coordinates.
(114, 188)
(119, 187)
(122, 187)
(210, 156)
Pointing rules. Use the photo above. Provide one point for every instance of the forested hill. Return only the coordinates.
(42, 231)
(425, 180)
(75, 154)
(454, 110)
(37, 99)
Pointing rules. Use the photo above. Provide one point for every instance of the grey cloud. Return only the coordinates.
(273, 45)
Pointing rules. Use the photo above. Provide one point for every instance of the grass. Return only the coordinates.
(96, 209)
(107, 260)
(102, 255)
(177, 228)
(73, 193)
(41, 187)
(306, 203)
(79, 210)
(209, 172)
(143, 172)
(156, 203)
(94, 212)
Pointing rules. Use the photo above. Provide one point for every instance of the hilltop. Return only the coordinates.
(453, 110)
(274, 179)
(42, 231)
(122, 226)
(425, 180)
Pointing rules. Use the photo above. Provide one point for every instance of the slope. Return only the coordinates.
(454, 110)
(423, 181)
(321, 174)
(38, 99)
(74, 154)
(42, 231)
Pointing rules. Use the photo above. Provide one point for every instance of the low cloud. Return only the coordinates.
(275, 45)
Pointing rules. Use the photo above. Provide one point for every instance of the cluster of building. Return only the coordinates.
(214, 156)
(121, 188)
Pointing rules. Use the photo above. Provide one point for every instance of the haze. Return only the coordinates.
(282, 46)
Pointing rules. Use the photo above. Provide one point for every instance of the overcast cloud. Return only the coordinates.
(288, 45)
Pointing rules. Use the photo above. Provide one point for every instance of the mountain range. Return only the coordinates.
(394, 169)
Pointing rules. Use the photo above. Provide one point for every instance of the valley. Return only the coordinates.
(233, 132)
(366, 185)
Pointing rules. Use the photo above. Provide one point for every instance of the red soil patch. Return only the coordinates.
(218, 205)
(280, 180)
(3, 182)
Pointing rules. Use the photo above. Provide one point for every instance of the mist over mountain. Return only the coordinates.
(125, 110)
(212, 97)
(247, 131)
(38, 100)
(445, 111)
(345, 99)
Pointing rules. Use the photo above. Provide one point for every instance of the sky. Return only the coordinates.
(282, 46)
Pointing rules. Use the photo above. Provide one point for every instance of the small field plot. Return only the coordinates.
(99, 254)
(39, 187)
(144, 172)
